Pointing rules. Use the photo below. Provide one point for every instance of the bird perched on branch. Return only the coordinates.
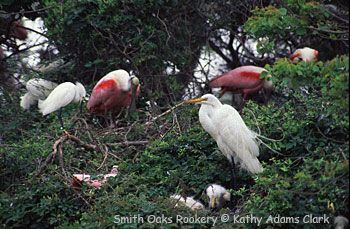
(217, 196)
(36, 89)
(234, 139)
(61, 96)
(113, 92)
(305, 54)
(245, 80)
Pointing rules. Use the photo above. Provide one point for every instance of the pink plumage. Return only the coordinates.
(112, 92)
(245, 80)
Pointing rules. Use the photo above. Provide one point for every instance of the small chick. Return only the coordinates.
(189, 202)
(217, 196)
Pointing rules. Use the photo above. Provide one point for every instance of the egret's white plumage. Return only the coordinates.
(61, 96)
(36, 89)
(217, 195)
(188, 201)
(231, 134)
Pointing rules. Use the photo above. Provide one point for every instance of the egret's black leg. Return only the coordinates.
(59, 114)
(233, 173)
(81, 107)
(234, 182)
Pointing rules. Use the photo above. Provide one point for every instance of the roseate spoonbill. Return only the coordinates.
(243, 80)
(305, 54)
(217, 196)
(113, 92)
(18, 31)
(61, 96)
(189, 202)
(234, 139)
(36, 89)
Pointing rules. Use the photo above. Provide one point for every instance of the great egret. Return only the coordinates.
(217, 195)
(243, 80)
(305, 54)
(234, 139)
(61, 96)
(36, 89)
(113, 92)
(189, 202)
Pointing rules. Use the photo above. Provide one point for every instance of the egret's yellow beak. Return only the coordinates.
(196, 100)
(213, 202)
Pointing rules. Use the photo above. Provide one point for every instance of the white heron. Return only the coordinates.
(234, 139)
(36, 89)
(189, 202)
(217, 195)
(61, 96)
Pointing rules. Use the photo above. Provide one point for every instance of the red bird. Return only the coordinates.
(113, 92)
(243, 80)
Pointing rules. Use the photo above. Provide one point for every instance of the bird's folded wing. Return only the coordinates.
(61, 96)
(235, 137)
(40, 88)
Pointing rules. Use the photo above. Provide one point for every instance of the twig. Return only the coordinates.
(129, 143)
(105, 157)
(328, 138)
(164, 113)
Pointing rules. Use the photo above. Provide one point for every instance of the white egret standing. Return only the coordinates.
(36, 89)
(234, 139)
(61, 96)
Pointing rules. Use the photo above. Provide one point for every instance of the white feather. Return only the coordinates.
(61, 96)
(231, 134)
(36, 89)
(27, 100)
(189, 202)
(122, 77)
(217, 191)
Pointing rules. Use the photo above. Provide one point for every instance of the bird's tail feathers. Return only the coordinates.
(27, 100)
(252, 164)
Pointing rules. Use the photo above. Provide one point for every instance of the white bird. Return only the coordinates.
(234, 139)
(305, 54)
(36, 89)
(61, 96)
(189, 202)
(217, 195)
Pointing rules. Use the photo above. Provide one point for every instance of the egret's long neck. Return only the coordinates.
(206, 113)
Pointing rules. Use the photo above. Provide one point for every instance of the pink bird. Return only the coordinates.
(305, 54)
(78, 179)
(243, 80)
(113, 92)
